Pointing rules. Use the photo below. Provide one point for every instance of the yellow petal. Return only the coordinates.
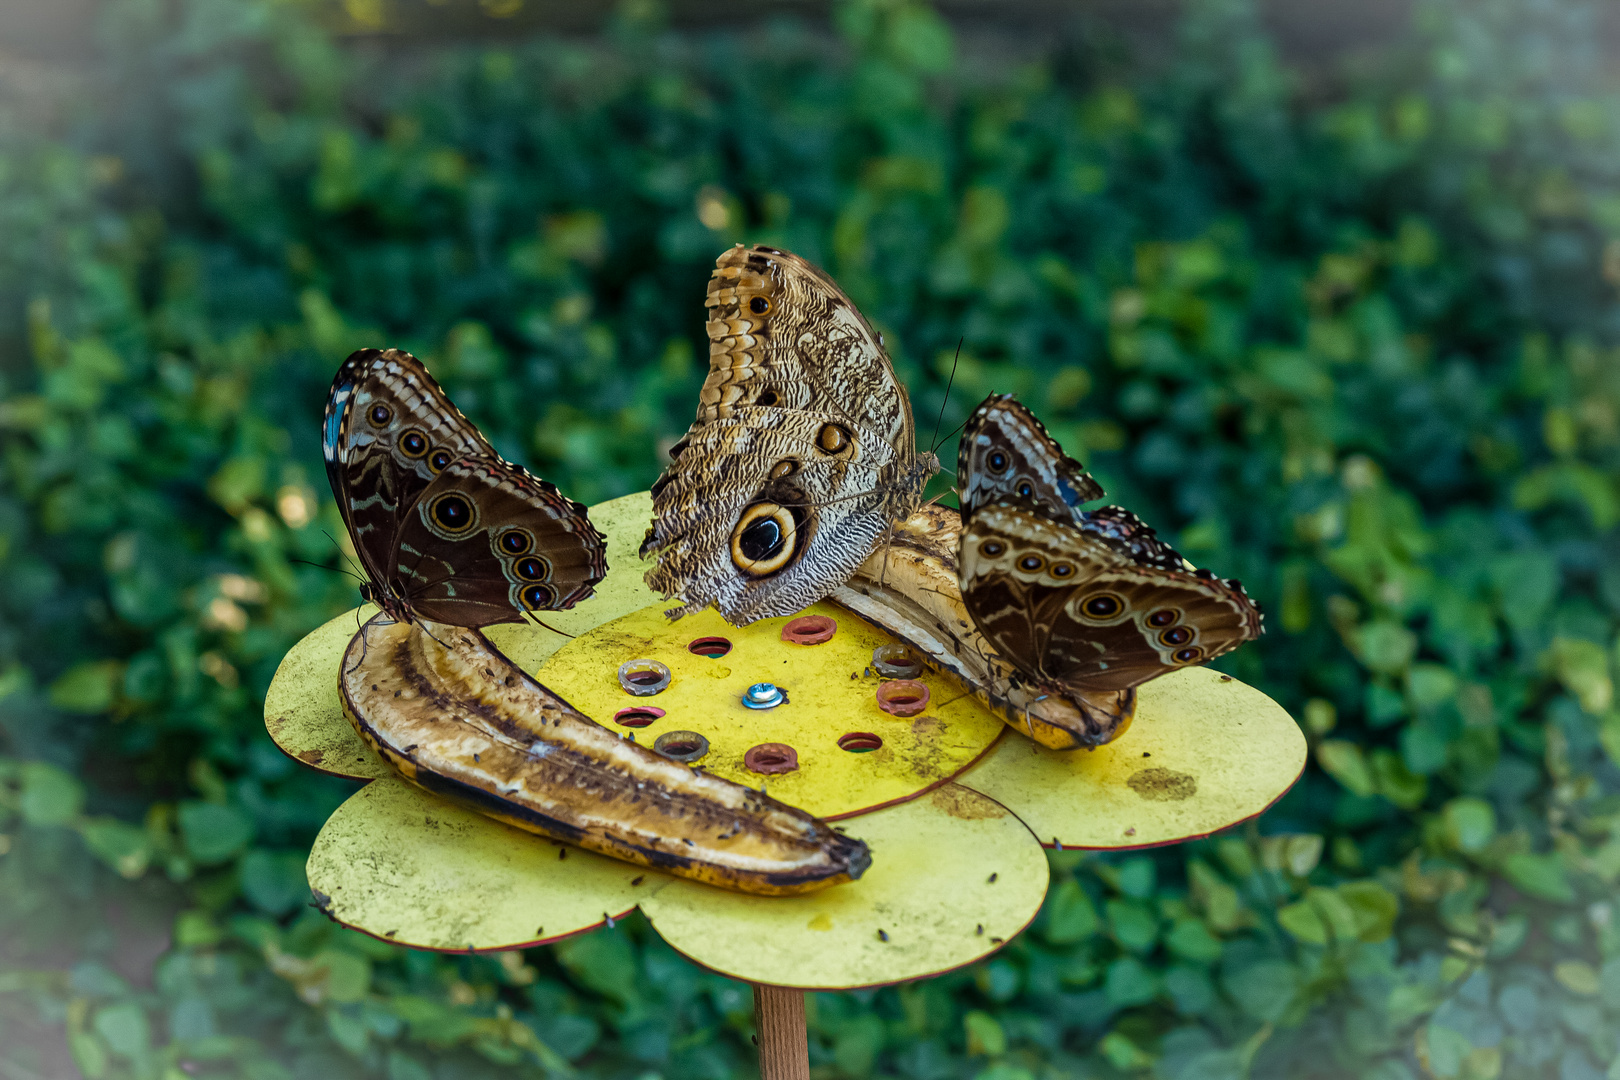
(829, 698)
(929, 892)
(410, 868)
(1205, 751)
(302, 711)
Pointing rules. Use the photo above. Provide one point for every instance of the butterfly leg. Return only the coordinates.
(365, 643)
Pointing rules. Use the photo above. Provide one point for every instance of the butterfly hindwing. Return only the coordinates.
(486, 542)
(1006, 452)
(1075, 599)
(802, 453)
(396, 450)
(1070, 609)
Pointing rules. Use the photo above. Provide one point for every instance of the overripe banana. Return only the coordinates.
(458, 718)
(909, 588)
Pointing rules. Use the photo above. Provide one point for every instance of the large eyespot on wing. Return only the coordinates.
(766, 539)
(450, 515)
(1100, 606)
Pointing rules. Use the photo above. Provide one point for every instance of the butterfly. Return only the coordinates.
(1077, 600)
(446, 530)
(803, 454)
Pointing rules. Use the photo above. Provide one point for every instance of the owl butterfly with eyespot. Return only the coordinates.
(803, 453)
(1077, 601)
(446, 530)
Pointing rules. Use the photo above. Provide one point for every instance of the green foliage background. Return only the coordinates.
(1353, 340)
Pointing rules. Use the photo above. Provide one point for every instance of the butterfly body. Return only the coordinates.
(445, 528)
(802, 454)
(1077, 601)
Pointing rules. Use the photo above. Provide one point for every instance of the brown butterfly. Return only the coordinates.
(446, 530)
(803, 454)
(1077, 600)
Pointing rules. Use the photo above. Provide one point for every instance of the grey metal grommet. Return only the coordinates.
(895, 661)
(763, 695)
(681, 745)
(643, 678)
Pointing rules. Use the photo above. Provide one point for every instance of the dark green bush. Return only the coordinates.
(1357, 344)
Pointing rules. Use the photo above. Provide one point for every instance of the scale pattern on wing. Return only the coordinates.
(389, 430)
(801, 404)
(1006, 453)
(416, 481)
(1068, 609)
(520, 546)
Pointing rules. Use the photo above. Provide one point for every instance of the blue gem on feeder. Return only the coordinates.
(763, 695)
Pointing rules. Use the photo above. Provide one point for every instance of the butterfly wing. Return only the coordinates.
(486, 541)
(389, 431)
(802, 453)
(1006, 453)
(1071, 607)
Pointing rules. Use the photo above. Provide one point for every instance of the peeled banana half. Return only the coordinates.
(456, 717)
(909, 588)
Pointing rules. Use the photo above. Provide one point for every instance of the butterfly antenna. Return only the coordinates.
(323, 566)
(955, 429)
(948, 384)
(341, 553)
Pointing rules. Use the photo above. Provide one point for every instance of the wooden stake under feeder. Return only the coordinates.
(957, 867)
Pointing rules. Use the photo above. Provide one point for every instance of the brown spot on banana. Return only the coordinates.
(909, 588)
(475, 728)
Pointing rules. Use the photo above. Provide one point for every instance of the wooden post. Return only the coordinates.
(779, 1016)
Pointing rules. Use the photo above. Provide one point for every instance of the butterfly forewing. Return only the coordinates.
(389, 430)
(802, 453)
(1006, 453)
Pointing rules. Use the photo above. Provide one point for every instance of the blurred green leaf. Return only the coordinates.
(213, 833)
(1345, 762)
(123, 847)
(274, 881)
(984, 1034)
(87, 688)
(1129, 982)
(1190, 940)
(125, 1030)
(1374, 908)
(1539, 875)
(49, 796)
(1133, 925)
(1263, 990)
(1070, 914)
(1470, 823)
(602, 961)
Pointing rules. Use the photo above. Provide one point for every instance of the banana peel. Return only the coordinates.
(909, 587)
(456, 717)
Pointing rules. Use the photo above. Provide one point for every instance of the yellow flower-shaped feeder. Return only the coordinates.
(954, 806)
